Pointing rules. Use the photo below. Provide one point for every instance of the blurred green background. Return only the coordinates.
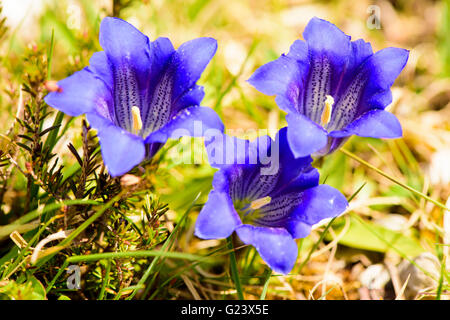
(386, 223)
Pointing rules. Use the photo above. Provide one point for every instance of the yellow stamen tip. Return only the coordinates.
(258, 203)
(137, 121)
(326, 113)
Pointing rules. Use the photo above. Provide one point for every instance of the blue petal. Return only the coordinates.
(264, 176)
(192, 97)
(128, 51)
(298, 211)
(121, 150)
(247, 165)
(304, 136)
(190, 59)
(157, 105)
(297, 228)
(124, 44)
(100, 66)
(81, 92)
(374, 123)
(218, 218)
(261, 167)
(193, 121)
(297, 174)
(329, 50)
(299, 51)
(382, 68)
(369, 87)
(278, 211)
(361, 50)
(325, 39)
(275, 245)
(225, 151)
(161, 53)
(283, 78)
(319, 203)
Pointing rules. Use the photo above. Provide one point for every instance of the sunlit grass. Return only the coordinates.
(148, 253)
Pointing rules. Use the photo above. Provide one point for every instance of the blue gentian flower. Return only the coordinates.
(267, 211)
(137, 93)
(332, 88)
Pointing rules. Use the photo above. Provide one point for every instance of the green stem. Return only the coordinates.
(50, 55)
(105, 280)
(234, 269)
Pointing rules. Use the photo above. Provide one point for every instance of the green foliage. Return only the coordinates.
(444, 39)
(31, 289)
(369, 236)
(136, 241)
(100, 219)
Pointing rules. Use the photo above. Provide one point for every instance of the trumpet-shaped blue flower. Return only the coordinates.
(137, 93)
(332, 88)
(267, 211)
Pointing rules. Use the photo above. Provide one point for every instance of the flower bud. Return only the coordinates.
(52, 86)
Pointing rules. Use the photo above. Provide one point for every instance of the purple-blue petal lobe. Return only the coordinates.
(299, 51)
(218, 218)
(381, 69)
(80, 93)
(123, 43)
(161, 51)
(275, 246)
(121, 150)
(192, 97)
(323, 36)
(374, 124)
(224, 150)
(193, 121)
(325, 40)
(190, 59)
(361, 50)
(296, 174)
(100, 66)
(319, 203)
(281, 77)
(304, 136)
(297, 228)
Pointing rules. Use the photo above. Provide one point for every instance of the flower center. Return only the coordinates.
(249, 211)
(137, 121)
(326, 113)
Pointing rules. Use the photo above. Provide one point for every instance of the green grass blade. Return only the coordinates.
(266, 286)
(384, 174)
(105, 280)
(234, 270)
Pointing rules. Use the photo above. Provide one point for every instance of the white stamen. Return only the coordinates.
(258, 203)
(137, 120)
(326, 113)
